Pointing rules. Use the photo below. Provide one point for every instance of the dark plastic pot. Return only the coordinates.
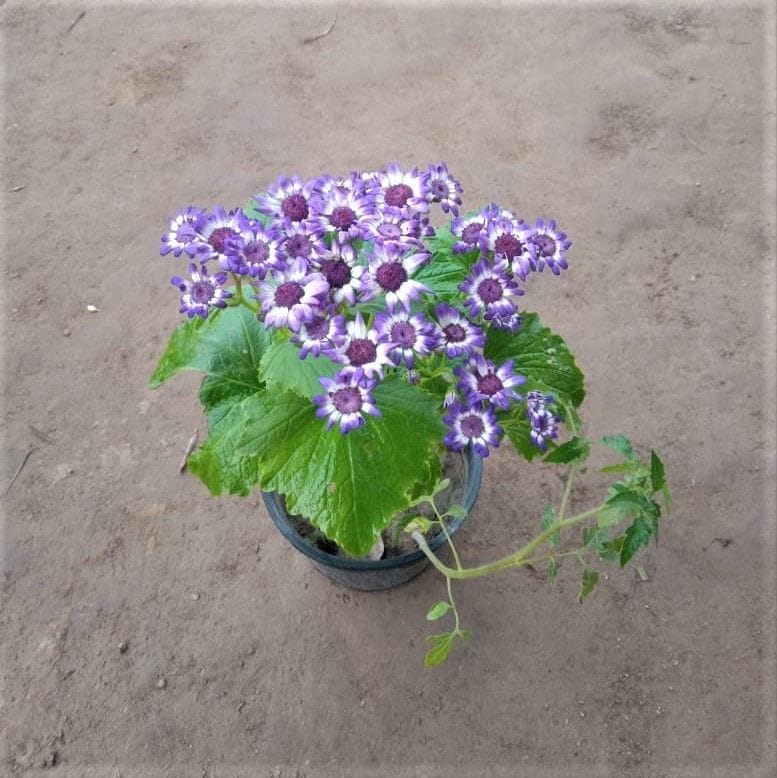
(366, 574)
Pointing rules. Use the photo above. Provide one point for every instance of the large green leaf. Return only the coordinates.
(282, 367)
(446, 270)
(228, 344)
(539, 354)
(349, 486)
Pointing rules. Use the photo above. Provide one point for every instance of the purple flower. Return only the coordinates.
(301, 240)
(475, 425)
(320, 336)
(222, 234)
(551, 246)
(409, 335)
(202, 292)
(292, 296)
(393, 227)
(348, 395)
(488, 288)
(395, 188)
(344, 214)
(184, 234)
(511, 322)
(287, 198)
(471, 232)
(544, 423)
(343, 273)
(257, 251)
(328, 184)
(457, 334)
(443, 188)
(391, 271)
(482, 380)
(511, 239)
(360, 347)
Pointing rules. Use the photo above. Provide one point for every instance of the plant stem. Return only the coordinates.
(516, 559)
(567, 491)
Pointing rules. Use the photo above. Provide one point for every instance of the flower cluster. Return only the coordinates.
(339, 262)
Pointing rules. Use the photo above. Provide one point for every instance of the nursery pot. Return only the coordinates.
(368, 574)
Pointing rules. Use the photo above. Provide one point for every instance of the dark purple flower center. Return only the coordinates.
(219, 237)
(336, 272)
(472, 426)
(391, 275)
(545, 244)
(471, 232)
(489, 290)
(508, 245)
(403, 334)
(397, 195)
(342, 217)
(361, 351)
(288, 294)
(202, 291)
(298, 246)
(295, 207)
(454, 333)
(489, 384)
(347, 400)
(390, 231)
(439, 189)
(257, 251)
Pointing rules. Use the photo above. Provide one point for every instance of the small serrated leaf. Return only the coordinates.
(657, 478)
(575, 450)
(438, 610)
(587, 583)
(620, 443)
(552, 570)
(457, 511)
(549, 518)
(441, 648)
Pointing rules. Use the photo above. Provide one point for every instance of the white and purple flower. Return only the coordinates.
(409, 335)
(443, 188)
(344, 214)
(551, 245)
(544, 422)
(300, 240)
(489, 287)
(221, 232)
(472, 425)
(343, 273)
(457, 335)
(361, 347)
(481, 380)
(201, 292)
(184, 234)
(320, 336)
(390, 274)
(257, 252)
(396, 188)
(393, 227)
(293, 296)
(511, 239)
(472, 233)
(288, 198)
(348, 395)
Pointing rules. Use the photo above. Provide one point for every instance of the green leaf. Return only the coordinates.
(587, 583)
(549, 518)
(518, 429)
(438, 610)
(420, 523)
(609, 517)
(667, 492)
(552, 570)
(540, 355)
(595, 537)
(657, 478)
(349, 486)
(575, 450)
(622, 467)
(620, 443)
(282, 367)
(251, 210)
(457, 511)
(441, 648)
(644, 527)
(229, 344)
(628, 502)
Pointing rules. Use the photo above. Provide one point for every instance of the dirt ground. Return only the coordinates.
(647, 130)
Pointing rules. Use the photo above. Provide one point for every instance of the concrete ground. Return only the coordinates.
(646, 129)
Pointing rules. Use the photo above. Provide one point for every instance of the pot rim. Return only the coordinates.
(275, 507)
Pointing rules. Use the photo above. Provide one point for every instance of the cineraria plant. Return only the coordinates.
(347, 344)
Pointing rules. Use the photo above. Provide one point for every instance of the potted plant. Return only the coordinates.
(360, 363)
